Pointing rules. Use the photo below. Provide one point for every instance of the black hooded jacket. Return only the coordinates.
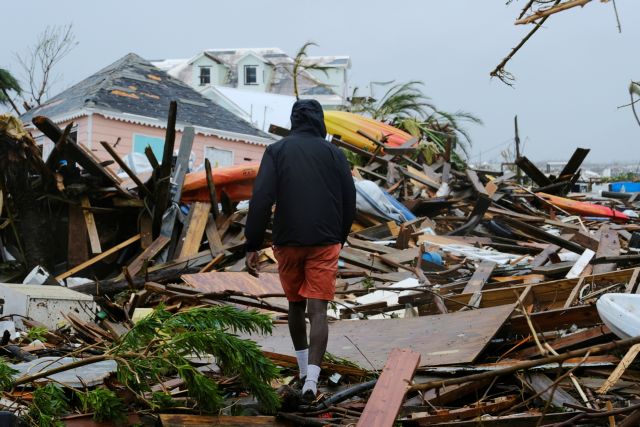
(310, 182)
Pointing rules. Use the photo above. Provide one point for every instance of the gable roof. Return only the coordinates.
(134, 87)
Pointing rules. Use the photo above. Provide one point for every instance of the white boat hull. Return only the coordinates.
(621, 313)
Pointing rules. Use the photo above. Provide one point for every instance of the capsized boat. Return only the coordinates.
(621, 313)
(583, 208)
(235, 181)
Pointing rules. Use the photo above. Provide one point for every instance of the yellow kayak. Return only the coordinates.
(346, 125)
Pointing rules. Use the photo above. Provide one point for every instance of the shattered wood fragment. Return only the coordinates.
(619, 371)
(472, 411)
(92, 230)
(580, 264)
(533, 172)
(95, 259)
(158, 244)
(387, 396)
(609, 246)
(190, 420)
(540, 383)
(477, 281)
(194, 229)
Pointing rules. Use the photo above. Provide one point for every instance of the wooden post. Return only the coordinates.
(517, 140)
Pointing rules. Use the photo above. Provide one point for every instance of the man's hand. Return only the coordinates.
(252, 262)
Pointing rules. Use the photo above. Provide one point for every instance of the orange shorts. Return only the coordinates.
(308, 271)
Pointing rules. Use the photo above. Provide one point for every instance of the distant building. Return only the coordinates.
(128, 102)
(267, 70)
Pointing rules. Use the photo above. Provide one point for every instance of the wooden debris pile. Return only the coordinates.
(470, 298)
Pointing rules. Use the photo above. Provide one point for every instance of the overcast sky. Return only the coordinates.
(571, 76)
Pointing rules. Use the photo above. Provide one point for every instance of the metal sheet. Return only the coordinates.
(441, 339)
(238, 283)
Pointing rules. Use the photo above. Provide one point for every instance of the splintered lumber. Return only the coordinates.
(477, 281)
(461, 336)
(95, 259)
(233, 282)
(212, 189)
(363, 259)
(195, 226)
(213, 236)
(472, 411)
(479, 209)
(540, 383)
(542, 235)
(475, 182)
(190, 420)
(543, 256)
(152, 250)
(92, 229)
(387, 396)
(609, 246)
(533, 172)
(528, 364)
(619, 371)
(445, 396)
(164, 172)
(580, 264)
(77, 249)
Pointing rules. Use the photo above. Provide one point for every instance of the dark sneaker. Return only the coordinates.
(308, 397)
(298, 383)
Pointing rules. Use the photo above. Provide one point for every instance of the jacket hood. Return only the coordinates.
(307, 117)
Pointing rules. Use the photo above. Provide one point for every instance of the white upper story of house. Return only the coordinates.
(267, 70)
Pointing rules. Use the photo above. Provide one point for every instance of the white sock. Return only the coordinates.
(303, 361)
(313, 373)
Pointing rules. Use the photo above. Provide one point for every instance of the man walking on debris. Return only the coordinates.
(310, 182)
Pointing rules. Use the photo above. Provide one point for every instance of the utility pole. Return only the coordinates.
(517, 139)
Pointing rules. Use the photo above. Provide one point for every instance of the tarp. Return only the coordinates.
(235, 181)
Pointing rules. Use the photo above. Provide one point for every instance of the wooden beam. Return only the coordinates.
(212, 188)
(163, 182)
(580, 264)
(95, 259)
(152, 250)
(199, 215)
(92, 229)
(609, 246)
(387, 396)
(477, 281)
(622, 366)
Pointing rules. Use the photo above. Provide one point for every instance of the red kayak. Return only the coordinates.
(235, 181)
(583, 208)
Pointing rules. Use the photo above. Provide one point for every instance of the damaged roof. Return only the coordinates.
(133, 86)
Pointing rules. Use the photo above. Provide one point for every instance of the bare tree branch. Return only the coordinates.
(544, 13)
(51, 47)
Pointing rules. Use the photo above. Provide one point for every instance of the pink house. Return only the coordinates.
(126, 104)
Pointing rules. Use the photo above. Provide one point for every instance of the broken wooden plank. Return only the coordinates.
(77, 248)
(542, 235)
(580, 264)
(477, 281)
(163, 183)
(543, 256)
(213, 236)
(461, 337)
(152, 250)
(194, 229)
(533, 172)
(619, 371)
(540, 383)
(609, 246)
(220, 282)
(475, 182)
(387, 396)
(95, 259)
(92, 229)
(472, 411)
(191, 420)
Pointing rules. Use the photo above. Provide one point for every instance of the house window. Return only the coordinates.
(250, 75)
(140, 142)
(218, 158)
(205, 76)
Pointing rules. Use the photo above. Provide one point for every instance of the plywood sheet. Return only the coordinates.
(235, 282)
(453, 338)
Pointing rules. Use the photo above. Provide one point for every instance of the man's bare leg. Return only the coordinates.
(318, 337)
(298, 332)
